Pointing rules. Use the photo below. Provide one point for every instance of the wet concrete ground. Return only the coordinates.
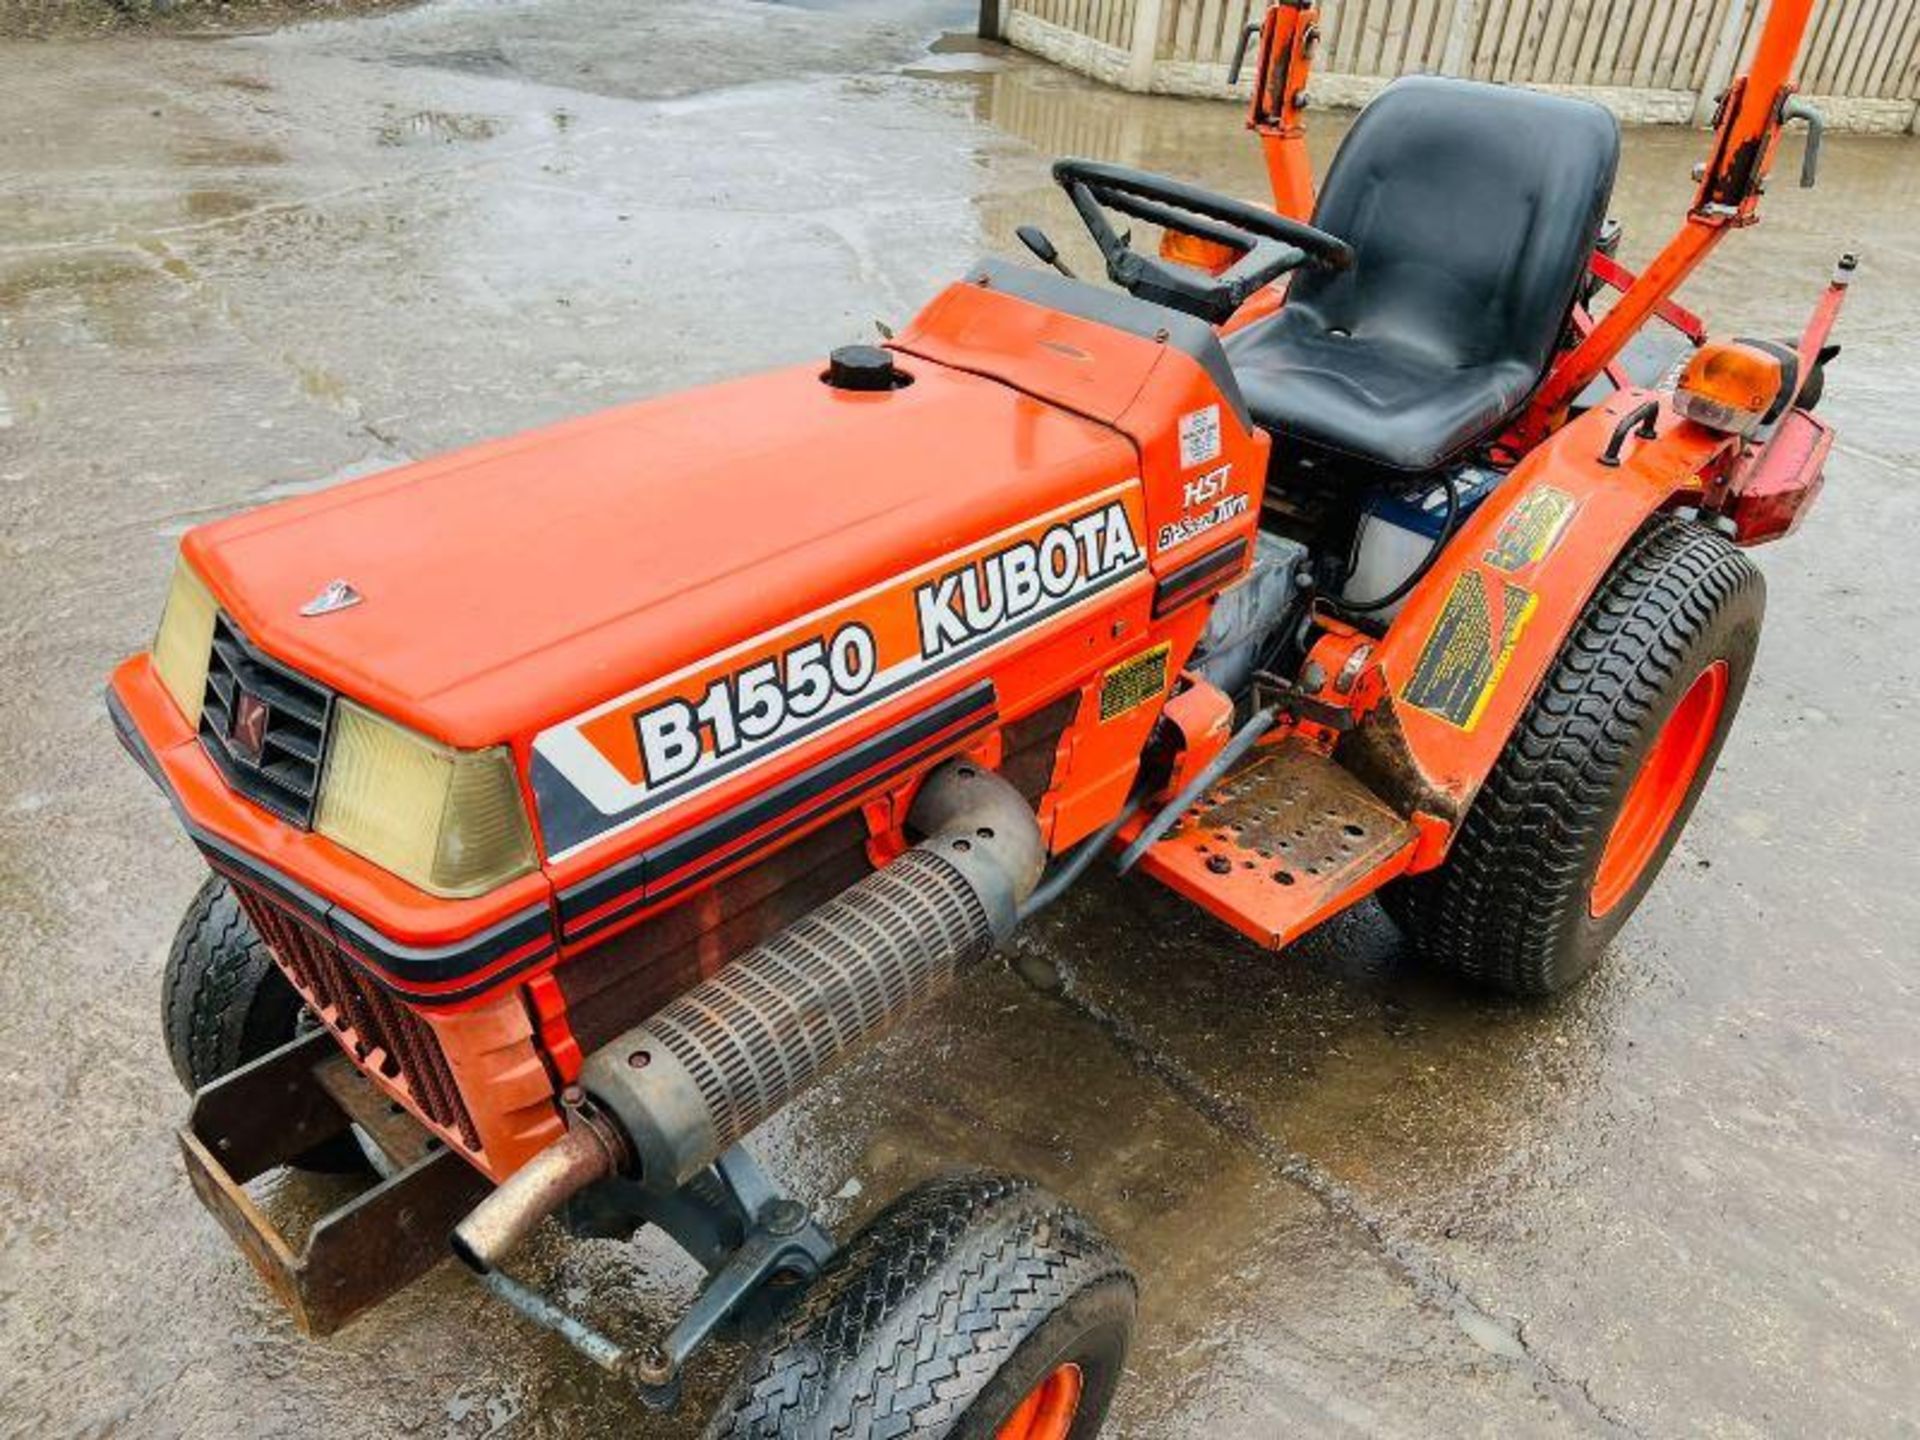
(1361, 1202)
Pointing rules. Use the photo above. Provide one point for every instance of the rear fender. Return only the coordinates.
(1466, 654)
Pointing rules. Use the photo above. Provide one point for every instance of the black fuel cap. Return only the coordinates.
(863, 367)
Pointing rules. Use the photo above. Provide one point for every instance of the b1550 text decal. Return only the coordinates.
(679, 734)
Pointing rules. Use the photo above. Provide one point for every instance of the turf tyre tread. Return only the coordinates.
(223, 1003)
(1508, 909)
(911, 1327)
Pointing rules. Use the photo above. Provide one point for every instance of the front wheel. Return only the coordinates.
(224, 1003)
(976, 1306)
(1599, 777)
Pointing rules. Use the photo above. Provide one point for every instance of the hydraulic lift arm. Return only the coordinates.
(1289, 33)
(1747, 129)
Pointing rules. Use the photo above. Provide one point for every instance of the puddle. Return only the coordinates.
(438, 127)
(959, 52)
(209, 152)
(968, 62)
(488, 60)
(217, 204)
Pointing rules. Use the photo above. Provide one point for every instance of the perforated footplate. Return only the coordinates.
(1283, 842)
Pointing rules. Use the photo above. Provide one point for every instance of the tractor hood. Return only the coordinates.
(509, 585)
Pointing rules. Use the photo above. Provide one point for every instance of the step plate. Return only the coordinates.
(1282, 843)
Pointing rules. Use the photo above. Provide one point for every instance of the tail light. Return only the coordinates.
(1736, 386)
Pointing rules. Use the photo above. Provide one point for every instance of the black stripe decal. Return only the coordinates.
(287, 892)
(432, 998)
(795, 800)
(435, 964)
(133, 742)
(401, 968)
(352, 937)
(399, 965)
(1191, 579)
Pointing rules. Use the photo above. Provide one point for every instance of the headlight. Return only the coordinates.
(185, 640)
(450, 821)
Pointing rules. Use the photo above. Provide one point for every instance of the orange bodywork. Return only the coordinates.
(919, 570)
(725, 634)
(1527, 561)
(1289, 35)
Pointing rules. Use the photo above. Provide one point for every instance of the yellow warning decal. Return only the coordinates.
(1534, 527)
(1133, 682)
(1468, 650)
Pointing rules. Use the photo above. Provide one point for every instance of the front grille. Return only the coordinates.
(380, 1033)
(280, 769)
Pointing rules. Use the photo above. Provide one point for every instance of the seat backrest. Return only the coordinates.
(1472, 210)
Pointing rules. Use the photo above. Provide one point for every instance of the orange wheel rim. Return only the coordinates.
(1660, 789)
(1047, 1411)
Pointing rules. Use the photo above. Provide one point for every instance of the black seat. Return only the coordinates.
(1472, 210)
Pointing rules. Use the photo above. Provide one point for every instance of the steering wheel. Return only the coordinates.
(1272, 243)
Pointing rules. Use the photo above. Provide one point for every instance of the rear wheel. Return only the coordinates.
(977, 1306)
(1599, 778)
(225, 1003)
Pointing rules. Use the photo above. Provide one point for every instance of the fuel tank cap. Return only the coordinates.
(863, 367)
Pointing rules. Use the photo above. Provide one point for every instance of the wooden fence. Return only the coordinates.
(1651, 60)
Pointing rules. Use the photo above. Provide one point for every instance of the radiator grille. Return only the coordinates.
(263, 725)
(382, 1035)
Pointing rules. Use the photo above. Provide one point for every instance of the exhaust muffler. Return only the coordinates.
(675, 1092)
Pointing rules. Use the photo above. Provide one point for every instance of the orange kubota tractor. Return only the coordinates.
(1347, 547)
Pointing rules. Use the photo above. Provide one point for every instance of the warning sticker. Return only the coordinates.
(1467, 653)
(1199, 437)
(1131, 683)
(1534, 528)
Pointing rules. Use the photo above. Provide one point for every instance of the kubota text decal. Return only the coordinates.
(677, 735)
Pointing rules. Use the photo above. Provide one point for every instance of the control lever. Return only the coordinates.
(1247, 32)
(1795, 108)
(1035, 239)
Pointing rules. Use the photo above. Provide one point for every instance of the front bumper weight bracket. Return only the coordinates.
(261, 1117)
